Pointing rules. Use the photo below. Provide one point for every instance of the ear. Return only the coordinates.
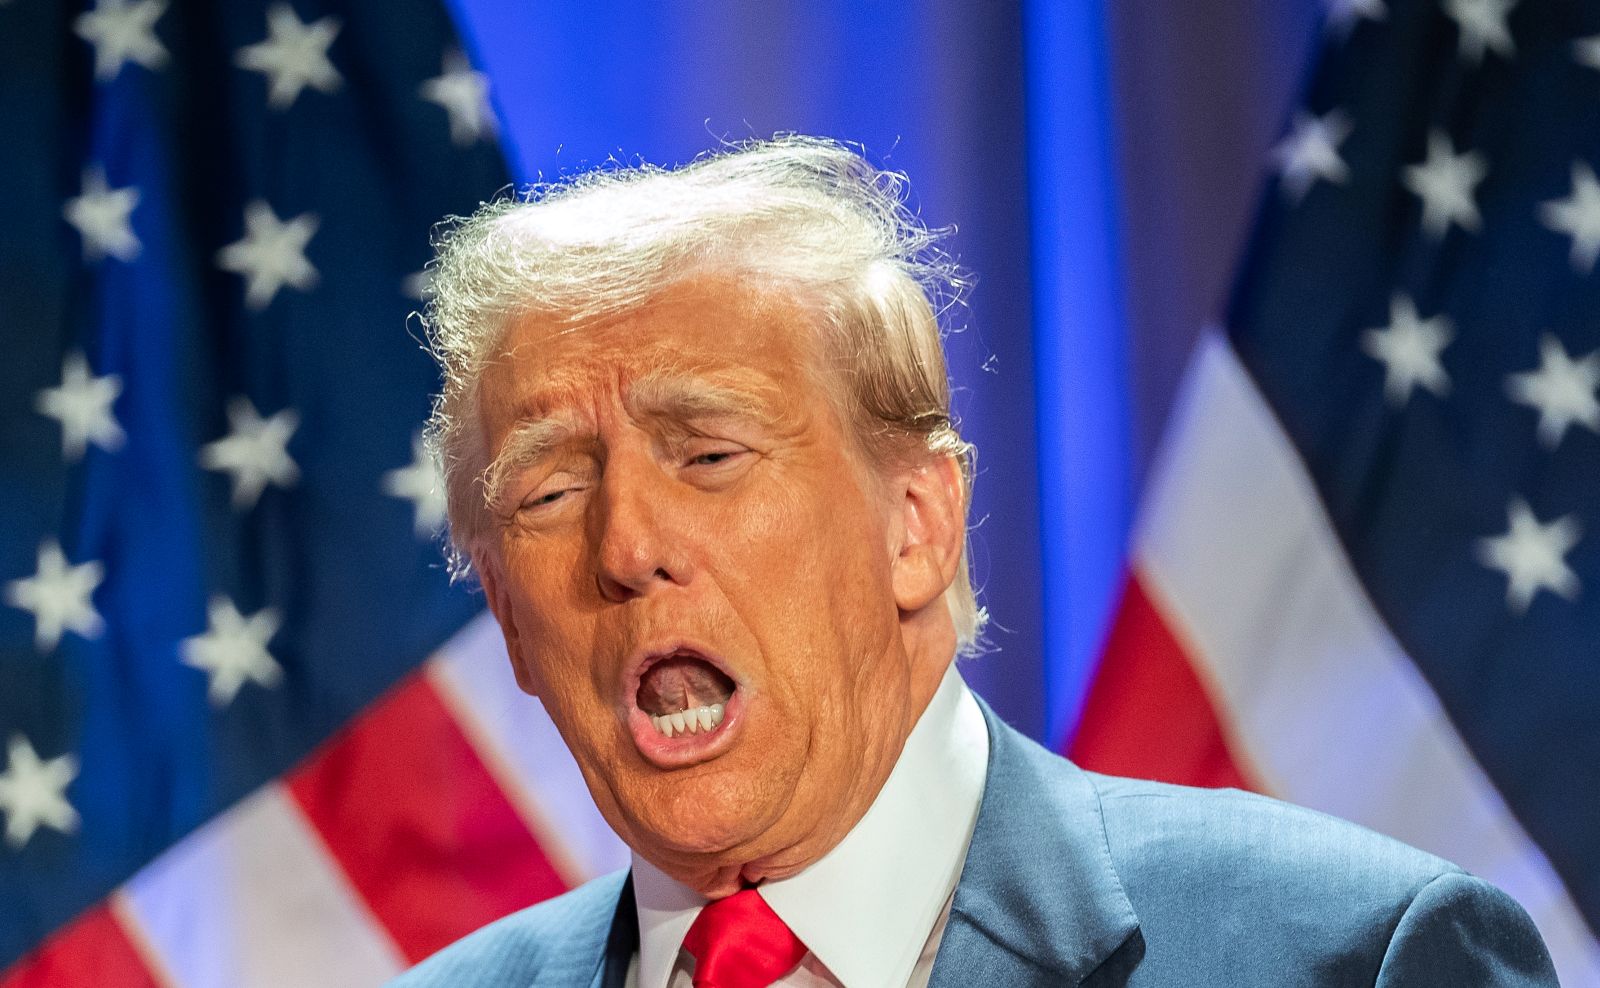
(487, 565)
(932, 530)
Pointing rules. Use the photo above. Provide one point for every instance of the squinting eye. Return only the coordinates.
(712, 459)
(549, 498)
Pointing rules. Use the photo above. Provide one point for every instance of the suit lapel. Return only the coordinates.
(621, 943)
(591, 942)
(1039, 901)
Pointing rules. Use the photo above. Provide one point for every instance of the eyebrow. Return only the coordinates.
(528, 443)
(669, 395)
(686, 397)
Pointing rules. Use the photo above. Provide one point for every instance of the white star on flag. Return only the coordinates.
(464, 94)
(1586, 51)
(1483, 27)
(1562, 389)
(1311, 152)
(122, 32)
(294, 56)
(1343, 15)
(233, 650)
(102, 217)
(33, 792)
(255, 451)
(271, 254)
(58, 595)
(1578, 216)
(1445, 182)
(82, 404)
(421, 483)
(1409, 349)
(1532, 556)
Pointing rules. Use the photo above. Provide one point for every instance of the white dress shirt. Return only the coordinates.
(871, 911)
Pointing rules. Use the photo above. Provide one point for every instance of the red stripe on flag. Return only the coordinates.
(1148, 714)
(91, 950)
(420, 827)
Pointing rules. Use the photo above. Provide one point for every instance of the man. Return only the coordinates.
(698, 450)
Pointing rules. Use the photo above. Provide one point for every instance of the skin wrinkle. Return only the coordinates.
(804, 568)
(790, 859)
(668, 394)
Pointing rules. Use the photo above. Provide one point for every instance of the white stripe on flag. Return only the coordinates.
(1237, 551)
(121, 909)
(524, 752)
(253, 898)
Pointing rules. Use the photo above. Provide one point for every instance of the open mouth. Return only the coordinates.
(682, 693)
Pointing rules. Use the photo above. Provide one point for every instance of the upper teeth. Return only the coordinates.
(691, 721)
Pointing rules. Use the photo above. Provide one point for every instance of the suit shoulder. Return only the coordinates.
(1228, 887)
(1461, 930)
(1216, 863)
(1247, 837)
(566, 933)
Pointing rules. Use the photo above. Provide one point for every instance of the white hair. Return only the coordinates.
(808, 216)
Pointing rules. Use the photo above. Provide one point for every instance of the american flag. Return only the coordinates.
(1367, 575)
(220, 528)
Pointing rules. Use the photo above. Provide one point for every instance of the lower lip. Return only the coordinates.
(683, 750)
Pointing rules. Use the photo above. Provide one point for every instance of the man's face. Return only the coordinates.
(683, 526)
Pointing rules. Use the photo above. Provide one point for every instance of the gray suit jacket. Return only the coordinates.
(1075, 878)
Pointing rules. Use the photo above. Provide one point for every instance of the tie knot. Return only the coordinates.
(739, 942)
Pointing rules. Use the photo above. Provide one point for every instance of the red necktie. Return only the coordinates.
(739, 942)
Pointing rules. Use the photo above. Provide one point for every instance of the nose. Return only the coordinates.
(638, 549)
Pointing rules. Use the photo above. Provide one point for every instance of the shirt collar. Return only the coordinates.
(866, 908)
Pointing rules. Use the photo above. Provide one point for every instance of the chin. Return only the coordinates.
(699, 824)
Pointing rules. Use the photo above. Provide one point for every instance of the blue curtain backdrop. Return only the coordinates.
(1099, 159)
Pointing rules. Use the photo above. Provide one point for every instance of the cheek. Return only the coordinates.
(806, 565)
(549, 574)
(555, 634)
(764, 545)
(791, 515)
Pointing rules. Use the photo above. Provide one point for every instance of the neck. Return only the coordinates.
(928, 649)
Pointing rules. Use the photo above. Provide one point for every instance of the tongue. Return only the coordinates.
(682, 682)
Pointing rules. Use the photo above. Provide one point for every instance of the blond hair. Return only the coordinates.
(806, 215)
